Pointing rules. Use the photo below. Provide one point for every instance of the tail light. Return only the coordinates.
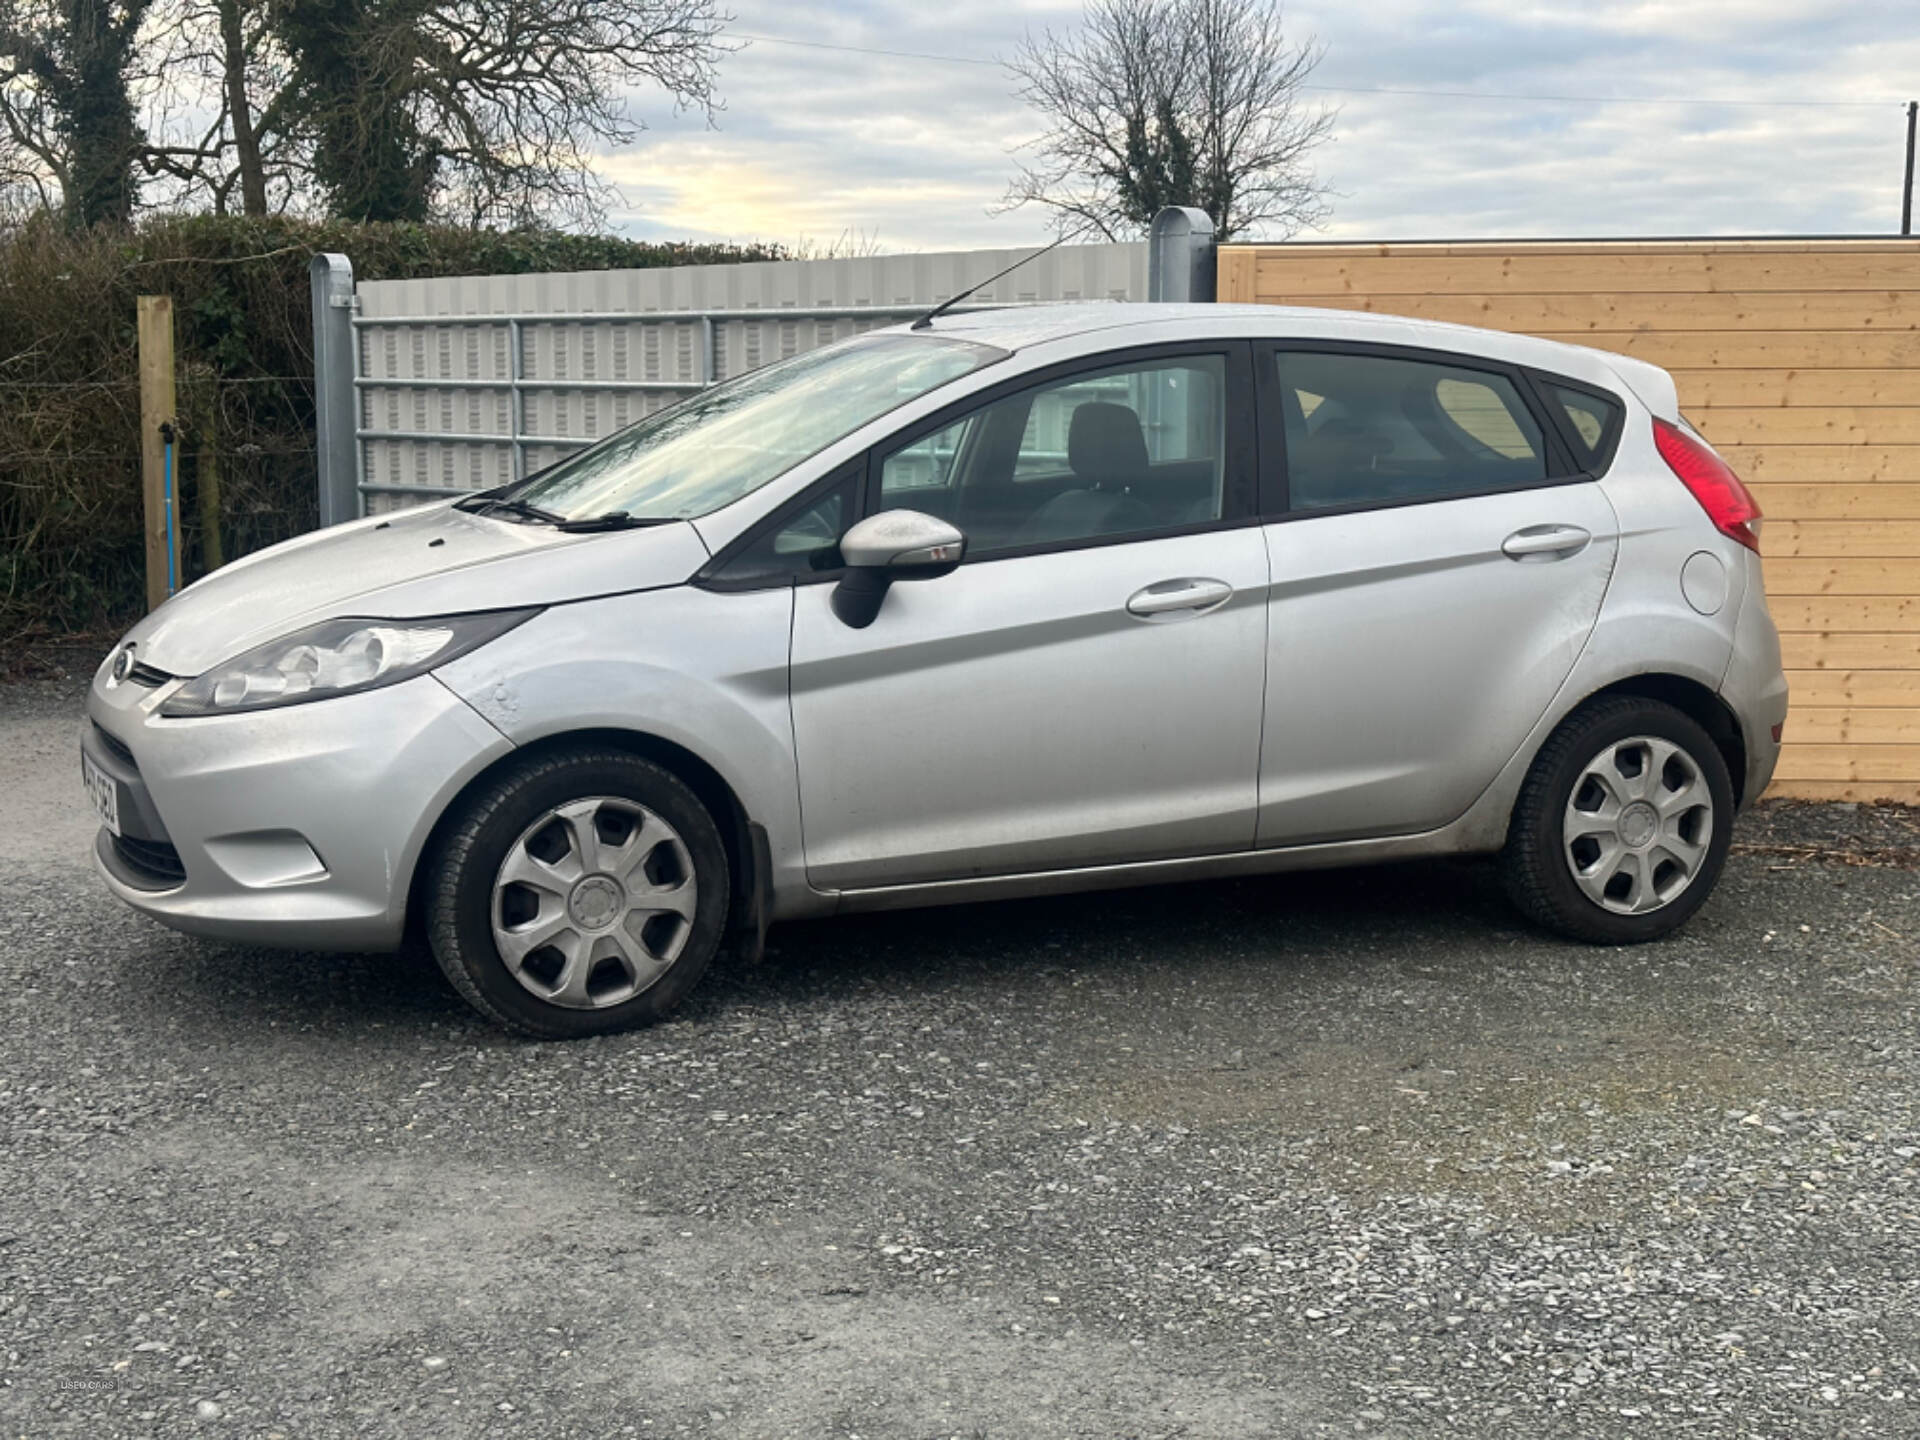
(1729, 504)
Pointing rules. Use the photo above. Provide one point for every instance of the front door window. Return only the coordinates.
(1130, 451)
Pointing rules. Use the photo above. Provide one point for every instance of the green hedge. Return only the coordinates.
(71, 558)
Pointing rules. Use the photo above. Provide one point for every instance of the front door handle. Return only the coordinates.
(1187, 595)
(1546, 542)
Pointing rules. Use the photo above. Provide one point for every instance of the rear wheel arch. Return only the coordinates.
(1668, 815)
(746, 851)
(1700, 705)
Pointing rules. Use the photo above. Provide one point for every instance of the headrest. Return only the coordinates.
(1105, 444)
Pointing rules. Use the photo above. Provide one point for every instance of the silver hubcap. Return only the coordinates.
(1638, 825)
(594, 902)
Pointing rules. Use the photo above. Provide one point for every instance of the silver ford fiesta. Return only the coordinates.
(1017, 602)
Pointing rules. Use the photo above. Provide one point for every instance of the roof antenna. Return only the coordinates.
(937, 311)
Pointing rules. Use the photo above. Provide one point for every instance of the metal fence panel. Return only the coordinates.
(463, 383)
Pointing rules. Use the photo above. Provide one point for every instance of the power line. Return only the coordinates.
(1382, 89)
(868, 50)
(1604, 99)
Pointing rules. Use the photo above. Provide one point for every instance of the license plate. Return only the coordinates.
(103, 791)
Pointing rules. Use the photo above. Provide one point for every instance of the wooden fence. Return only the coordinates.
(1800, 360)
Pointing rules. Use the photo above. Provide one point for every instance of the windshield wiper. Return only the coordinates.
(493, 504)
(612, 520)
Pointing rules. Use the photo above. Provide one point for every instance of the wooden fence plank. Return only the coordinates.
(1825, 464)
(1843, 539)
(1234, 275)
(1838, 502)
(1291, 271)
(1827, 348)
(1854, 688)
(1834, 725)
(1588, 315)
(1851, 650)
(1796, 613)
(1850, 762)
(1809, 425)
(1828, 790)
(1842, 577)
(159, 490)
(1775, 245)
(1703, 390)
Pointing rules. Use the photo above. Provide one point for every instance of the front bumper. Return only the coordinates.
(299, 826)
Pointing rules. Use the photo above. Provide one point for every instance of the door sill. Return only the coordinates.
(1444, 841)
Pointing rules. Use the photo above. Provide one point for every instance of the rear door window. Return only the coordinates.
(1376, 429)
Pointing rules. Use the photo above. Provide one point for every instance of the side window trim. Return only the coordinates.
(1239, 498)
(1276, 501)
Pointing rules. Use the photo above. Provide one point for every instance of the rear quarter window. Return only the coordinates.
(1593, 422)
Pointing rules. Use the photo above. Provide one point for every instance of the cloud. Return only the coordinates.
(917, 152)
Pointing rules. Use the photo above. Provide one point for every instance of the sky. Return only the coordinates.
(912, 152)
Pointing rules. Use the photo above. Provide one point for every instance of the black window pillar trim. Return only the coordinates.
(713, 576)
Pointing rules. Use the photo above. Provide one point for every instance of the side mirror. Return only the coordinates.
(893, 545)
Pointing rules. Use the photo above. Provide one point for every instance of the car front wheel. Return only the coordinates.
(1623, 825)
(578, 893)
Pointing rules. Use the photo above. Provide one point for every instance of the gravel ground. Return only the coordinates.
(1347, 1154)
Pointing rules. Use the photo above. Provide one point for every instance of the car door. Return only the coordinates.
(1437, 566)
(1086, 688)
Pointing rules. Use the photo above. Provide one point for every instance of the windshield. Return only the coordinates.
(726, 442)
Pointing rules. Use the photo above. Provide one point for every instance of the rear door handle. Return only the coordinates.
(1546, 542)
(1176, 598)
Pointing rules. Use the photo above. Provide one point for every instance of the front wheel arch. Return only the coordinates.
(745, 842)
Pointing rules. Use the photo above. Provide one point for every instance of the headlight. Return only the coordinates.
(335, 657)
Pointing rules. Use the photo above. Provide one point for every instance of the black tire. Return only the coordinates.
(1536, 865)
(466, 861)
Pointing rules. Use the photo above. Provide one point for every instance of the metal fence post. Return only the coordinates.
(335, 403)
(1180, 258)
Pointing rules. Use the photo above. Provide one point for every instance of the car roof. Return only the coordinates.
(1017, 327)
(1022, 327)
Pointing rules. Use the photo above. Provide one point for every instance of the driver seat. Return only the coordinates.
(1107, 452)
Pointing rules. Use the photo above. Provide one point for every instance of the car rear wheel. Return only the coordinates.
(580, 893)
(1622, 827)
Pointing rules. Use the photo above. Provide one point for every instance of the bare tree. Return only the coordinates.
(237, 50)
(478, 111)
(66, 101)
(1172, 102)
(208, 63)
(482, 110)
(32, 165)
(108, 106)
